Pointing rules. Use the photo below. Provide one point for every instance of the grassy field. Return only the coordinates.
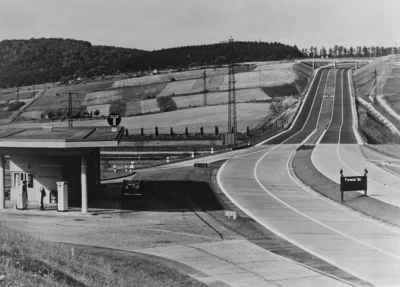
(102, 97)
(276, 79)
(178, 88)
(51, 99)
(53, 103)
(218, 98)
(103, 109)
(388, 149)
(134, 108)
(364, 78)
(29, 261)
(375, 132)
(5, 115)
(22, 95)
(392, 85)
(303, 70)
(248, 114)
(149, 106)
(179, 76)
(273, 65)
(213, 84)
(166, 103)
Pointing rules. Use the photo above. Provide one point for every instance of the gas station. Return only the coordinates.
(64, 162)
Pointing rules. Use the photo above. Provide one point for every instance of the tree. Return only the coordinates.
(201, 131)
(96, 113)
(220, 60)
(276, 107)
(351, 51)
(216, 130)
(340, 51)
(365, 51)
(186, 132)
(330, 53)
(359, 51)
(312, 51)
(171, 132)
(156, 131)
(336, 51)
(323, 51)
(50, 115)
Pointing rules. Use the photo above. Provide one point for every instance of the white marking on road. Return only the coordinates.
(301, 108)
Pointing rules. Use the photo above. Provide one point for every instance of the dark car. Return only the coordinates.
(131, 187)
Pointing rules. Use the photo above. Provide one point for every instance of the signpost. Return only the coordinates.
(114, 120)
(353, 183)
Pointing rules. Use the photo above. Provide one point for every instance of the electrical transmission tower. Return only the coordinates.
(205, 88)
(70, 108)
(232, 121)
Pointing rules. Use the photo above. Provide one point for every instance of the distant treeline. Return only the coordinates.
(341, 51)
(24, 62)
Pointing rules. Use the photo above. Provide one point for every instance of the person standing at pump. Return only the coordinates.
(24, 195)
(42, 195)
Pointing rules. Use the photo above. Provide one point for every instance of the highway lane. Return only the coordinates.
(316, 87)
(261, 185)
(339, 150)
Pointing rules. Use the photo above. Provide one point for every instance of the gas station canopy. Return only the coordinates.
(61, 137)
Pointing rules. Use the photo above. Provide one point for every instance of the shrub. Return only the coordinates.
(156, 131)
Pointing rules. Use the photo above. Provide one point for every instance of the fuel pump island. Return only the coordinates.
(53, 164)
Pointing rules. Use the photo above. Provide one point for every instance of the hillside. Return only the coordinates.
(24, 62)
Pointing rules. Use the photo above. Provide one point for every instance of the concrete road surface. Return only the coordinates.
(261, 185)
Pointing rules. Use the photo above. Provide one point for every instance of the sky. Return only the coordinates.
(158, 24)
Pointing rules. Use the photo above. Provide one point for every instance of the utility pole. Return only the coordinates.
(205, 88)
(70, 108)
(232, 121)
(376, 84)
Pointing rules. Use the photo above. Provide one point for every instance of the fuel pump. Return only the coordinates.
(22, 200)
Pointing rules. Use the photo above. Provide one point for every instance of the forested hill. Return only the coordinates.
(23, 62)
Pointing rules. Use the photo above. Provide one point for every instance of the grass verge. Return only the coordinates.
(27, 261)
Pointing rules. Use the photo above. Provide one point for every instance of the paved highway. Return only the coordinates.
(261, 184)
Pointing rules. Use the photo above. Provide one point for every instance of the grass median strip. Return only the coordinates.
(306, 172)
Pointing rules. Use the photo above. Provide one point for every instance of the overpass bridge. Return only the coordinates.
(334, 62)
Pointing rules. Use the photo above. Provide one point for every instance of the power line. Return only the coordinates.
(70, 108)
(205, 88)
(232, 121)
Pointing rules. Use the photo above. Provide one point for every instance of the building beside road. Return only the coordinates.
(43, 157)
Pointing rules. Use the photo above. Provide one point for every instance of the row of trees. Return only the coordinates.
(51, 115)
(341, 51)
